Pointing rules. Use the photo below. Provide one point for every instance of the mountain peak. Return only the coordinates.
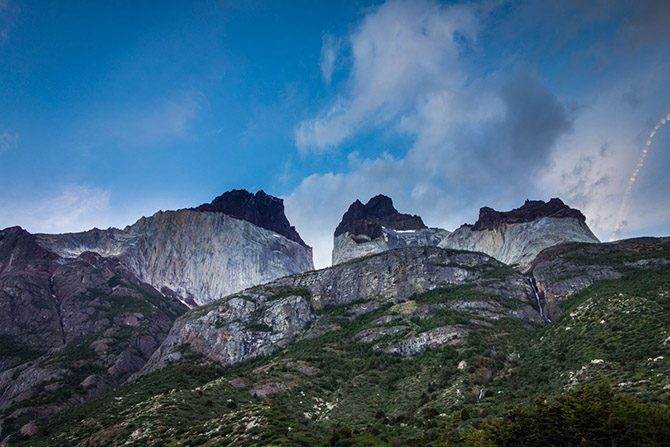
(531, 210)
(260, 209)
(368, 219)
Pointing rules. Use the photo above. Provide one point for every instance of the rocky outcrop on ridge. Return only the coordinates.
(200, 256)
(70, 328)
(265, 318)
(516, 237)
(377, 226)
(490, 219)
(260, 209)
(369, 219)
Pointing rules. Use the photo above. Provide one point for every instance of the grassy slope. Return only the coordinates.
(612, 332)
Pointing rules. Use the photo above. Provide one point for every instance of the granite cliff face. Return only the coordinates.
(265, 318)
(70, 329)
(518, 236)
(200, 255)
(376, 227)
(260, 209)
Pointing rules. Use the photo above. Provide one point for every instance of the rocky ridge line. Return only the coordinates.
(260, 209)
(368, 220)
(490, 219)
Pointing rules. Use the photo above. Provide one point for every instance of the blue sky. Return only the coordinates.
(113, 110)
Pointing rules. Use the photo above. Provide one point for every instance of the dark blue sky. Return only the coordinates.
(113, 110)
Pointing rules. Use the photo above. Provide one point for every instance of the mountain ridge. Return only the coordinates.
(202, 255)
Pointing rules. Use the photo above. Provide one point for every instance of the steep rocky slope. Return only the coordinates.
(563, 270)
(265, 318)
(200, 255)
(409, 352)
(517, 236)
(376, 227)
(70, 329)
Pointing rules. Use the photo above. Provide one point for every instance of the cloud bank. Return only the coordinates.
(478, 137)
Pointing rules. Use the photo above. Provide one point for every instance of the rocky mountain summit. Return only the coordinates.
(70, 329)
(260, 209)
(516, 237)
(490, 219)
(377, 226)
(200, 255)
(366, 221)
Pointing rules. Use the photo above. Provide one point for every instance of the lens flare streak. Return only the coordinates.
(623, 209)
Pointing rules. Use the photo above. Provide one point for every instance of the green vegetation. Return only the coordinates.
(614, 331)
(14, 352)
(285, 293)
(596, 254)
(587, 416)
(598, 376)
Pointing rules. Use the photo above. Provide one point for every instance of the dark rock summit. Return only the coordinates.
(531, 210)
(260, 209)
(379, 212)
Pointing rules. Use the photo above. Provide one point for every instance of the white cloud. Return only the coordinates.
(71, 208)
(478, 140)
(407, 66)
(591, 167)
(401, 51)
(329, 54)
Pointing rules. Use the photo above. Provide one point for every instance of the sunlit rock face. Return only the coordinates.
(376, 227)
(518, 236)
(201, 254)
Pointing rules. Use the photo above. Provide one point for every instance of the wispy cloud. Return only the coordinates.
(150, 123)
(8, 140)
(69, 208)
(330, 50)
(400, 52)
(75, 207)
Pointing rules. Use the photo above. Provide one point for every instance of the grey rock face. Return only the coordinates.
(70, 328)
(436, 337)
(348, 246)
(195, 256)
(372, 334)
(264, 318)
(564, 270)
(519, 243)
